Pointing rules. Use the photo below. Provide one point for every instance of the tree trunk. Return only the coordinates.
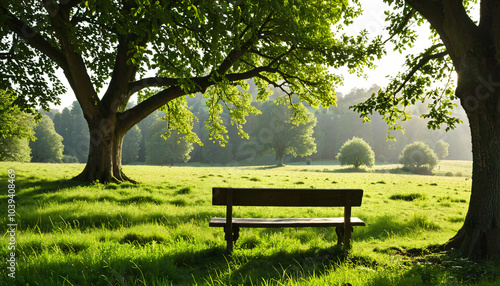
(105, 153)
(280, 160)
(480, 234)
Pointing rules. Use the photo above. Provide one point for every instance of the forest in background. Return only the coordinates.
(63, 136)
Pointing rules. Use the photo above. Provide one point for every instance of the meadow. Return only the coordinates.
(156, 232)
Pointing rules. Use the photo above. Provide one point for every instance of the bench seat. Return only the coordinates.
(286, 222)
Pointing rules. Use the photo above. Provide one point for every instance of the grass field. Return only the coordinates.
(156, 233)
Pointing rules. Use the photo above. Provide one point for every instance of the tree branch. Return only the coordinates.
(116, 95)
(70, 3)
(450, 20)
(275, 84)
(423, 61)
(151, 82)
(140, 111)
(34, 39)
(432, 10)
(12, 50)
(401, 26)
(134, 115)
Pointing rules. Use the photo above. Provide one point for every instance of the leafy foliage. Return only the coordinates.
(16, 130)
(220, 41)
(166, 150)
(15, 149)
(48, 145)
(13, 123)
(441, 149)
(164, 51)
(279, 131)
(131, 141)
(356, 152)
(417, 83)
(71, 125)
(418, 157)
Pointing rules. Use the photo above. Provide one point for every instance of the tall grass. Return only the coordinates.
(156, 233)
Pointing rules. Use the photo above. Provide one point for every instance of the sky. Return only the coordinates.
(373, 20)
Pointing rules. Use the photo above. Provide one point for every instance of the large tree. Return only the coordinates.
(47, 147)
(13, 122)
(71, 125)
(161, 151)
(356, 152)
(471, 48)
(276, 131)
(110, 50)
(16, 130)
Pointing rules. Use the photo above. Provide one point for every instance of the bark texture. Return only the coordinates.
(105, 153)
(480, 234)
(474, 50)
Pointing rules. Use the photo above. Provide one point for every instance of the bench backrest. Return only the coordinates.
(287, 197)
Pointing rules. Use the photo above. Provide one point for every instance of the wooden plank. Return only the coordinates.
(347, 225)
(228, 230)
(285, 222)
(288, 197)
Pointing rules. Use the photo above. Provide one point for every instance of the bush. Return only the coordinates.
(69, 159)
(441, 149)
(418, 158)
(356, 152)
(407, 197)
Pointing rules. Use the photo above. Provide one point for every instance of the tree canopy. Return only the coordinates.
(13, 122)
(163, 151)
(418, 157)
(163, 50)
(15, 130)
(276, 131)
(441, 149)
(356, 152)
(47, 147)
(468, 48)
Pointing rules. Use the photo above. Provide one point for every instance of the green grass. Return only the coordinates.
(156, 233)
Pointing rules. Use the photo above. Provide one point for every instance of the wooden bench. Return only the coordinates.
(230, 197)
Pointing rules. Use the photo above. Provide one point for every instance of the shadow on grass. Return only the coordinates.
(386, 226)
(103, 219)
(211, 266)
(376, 171)
(32, 186)
(377, 228)
(269, 167)
(348, 170)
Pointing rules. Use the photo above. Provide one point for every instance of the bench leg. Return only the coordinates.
(344, 237)
(339, 230)
(229, 239)
(231, 235)
(236, 234)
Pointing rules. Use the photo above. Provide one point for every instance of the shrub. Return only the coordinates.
(184, 191)
(69, 159)
(441, 149)
(382, 158)
(418, 158)
(356, 152)
(407, 197)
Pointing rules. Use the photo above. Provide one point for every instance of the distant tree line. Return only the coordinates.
(62, 136)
